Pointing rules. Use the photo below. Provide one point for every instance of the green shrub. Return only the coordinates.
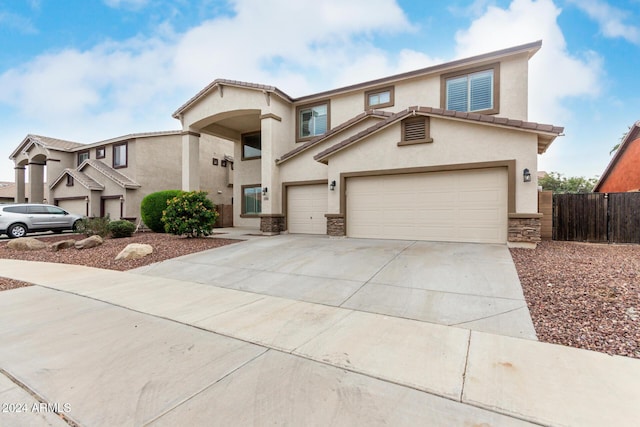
(121, 228)
(190, 214)
(94, 226)
(152, 206)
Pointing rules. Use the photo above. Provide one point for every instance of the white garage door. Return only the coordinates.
(306, 206)
(78, 206)
(460, 206)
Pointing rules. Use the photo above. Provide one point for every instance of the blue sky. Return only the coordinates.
(88, 70)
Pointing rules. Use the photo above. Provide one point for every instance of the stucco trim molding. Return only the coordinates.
(271, 116)
(191, 133)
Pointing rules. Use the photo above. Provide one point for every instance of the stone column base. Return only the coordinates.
(335, 225)
(524, 230)
(271, 224)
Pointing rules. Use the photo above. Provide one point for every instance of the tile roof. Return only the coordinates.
(530, 48)
(81, 178)
(632, 135)
(315, 141)
(109, 172)
(550, 130)
(54, 142)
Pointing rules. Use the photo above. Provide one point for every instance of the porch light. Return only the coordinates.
(121, 199)
(332, 186)
(526, 175)
(265, 190)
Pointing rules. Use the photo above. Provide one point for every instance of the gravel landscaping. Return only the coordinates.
(579, 294)
(583, 295)
(165, 246)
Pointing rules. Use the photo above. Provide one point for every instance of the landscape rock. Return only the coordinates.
(62, 244)
(89, 242)
(135, 251)
(26, 244)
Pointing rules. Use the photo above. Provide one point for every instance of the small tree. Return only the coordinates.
(152, 206)
(94, 226)
(190, 214)
(558, 183)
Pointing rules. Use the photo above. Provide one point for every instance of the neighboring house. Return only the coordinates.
(623, 172)
(444, 153)
(8, 192)
(113, 176)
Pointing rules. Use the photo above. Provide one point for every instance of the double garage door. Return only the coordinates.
(457, 206)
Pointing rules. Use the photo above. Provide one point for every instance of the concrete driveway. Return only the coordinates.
(474, 286)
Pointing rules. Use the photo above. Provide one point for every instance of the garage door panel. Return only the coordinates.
(460, 206)
(78, 207)
(306, 207)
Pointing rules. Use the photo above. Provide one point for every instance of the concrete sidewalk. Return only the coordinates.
(127, 349)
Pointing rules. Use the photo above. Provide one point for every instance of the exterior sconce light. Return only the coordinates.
(265, 190)
(121, 199)
(332, 186)
(526, 175)
(86, 199)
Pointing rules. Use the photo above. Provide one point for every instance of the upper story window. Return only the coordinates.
(251, 146)
(100, 153)
(69, 181)
(120, 155)
(312, 120)
(379, 98)
(82, 156)
(474, 90)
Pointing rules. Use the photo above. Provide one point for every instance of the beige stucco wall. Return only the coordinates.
(455, 142)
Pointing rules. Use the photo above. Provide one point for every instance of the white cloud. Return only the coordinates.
(554, 73)
(127, 4)
(610, 19)
(17, 22)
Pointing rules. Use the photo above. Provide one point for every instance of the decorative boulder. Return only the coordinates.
(62, 244)
(89, 242)
(135, 251)
(26, 244)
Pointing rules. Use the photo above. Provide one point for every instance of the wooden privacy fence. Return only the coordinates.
(597, 217)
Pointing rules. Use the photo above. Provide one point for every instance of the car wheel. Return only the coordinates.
(17, 230)
(75, 225)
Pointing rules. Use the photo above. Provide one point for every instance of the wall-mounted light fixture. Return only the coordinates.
(526, 175)
(265, 190)
(121, 199)
(332, 186)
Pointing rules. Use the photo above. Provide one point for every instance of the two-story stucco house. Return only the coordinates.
(444, 153)
(113, 176)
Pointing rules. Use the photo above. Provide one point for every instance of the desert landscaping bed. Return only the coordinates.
(165, 246)
(583, 295)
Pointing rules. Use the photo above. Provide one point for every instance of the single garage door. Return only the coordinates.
(457, 206)
(76, 206)
(306, 206)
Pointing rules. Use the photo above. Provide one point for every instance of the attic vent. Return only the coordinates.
(415, 131)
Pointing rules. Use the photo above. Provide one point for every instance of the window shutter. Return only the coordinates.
(457, 94)
(414, 130)
(481, 91)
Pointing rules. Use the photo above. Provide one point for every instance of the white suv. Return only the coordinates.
(16, 220)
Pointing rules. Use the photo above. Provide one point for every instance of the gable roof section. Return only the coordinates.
(46, 142)
(529, 48)
(545, 132)
(632, 135)
(349, 123)
(115, 176)
(218, 83)
(81, 178)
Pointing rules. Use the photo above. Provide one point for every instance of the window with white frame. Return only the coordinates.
(473, 91)
(379, 98)
(251, 199)
(313, 120)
